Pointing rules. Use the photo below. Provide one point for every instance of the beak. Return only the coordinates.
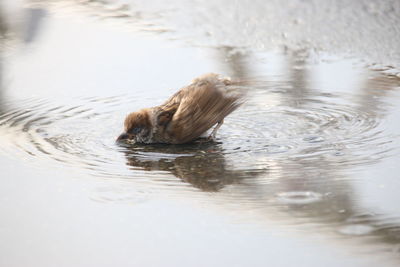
(123, 136)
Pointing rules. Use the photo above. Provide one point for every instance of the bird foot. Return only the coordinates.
(211, 137)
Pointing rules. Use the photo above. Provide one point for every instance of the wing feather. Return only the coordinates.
(201, 105)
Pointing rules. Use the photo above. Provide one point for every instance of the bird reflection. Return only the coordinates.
(206, 166)
(201, 164)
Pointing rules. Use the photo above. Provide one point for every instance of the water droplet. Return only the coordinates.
(298, 197)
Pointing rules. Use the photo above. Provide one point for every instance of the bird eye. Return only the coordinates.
(135, 130)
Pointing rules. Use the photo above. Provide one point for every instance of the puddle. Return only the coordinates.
(314, 146)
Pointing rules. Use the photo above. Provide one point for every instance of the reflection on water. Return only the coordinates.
(290, 148)
(201, 164)
(294, 151)
(296, 155)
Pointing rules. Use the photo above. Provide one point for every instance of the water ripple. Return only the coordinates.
(321, 128)
(279, 151)
(298, 198)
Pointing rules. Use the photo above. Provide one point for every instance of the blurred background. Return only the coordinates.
(305, 173)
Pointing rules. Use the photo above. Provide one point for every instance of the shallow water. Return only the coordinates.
(307, 167)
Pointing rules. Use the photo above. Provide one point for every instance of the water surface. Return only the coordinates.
(307, 167)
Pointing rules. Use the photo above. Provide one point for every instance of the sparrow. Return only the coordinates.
(185, 116)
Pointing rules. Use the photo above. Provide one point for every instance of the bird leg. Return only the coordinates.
(214, 131)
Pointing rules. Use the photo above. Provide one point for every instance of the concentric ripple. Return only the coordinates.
(298, 198)
(291, 152)
(324, 131)
(66, 134)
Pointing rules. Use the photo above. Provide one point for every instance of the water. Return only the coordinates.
(307, 167)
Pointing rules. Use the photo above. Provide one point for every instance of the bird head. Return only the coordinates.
(137, 127)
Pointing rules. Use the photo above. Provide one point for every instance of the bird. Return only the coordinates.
(185, 116)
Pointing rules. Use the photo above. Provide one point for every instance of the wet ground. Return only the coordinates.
(305, 173)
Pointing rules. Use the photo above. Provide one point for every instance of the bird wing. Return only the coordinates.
(168, 109)
(201, 105)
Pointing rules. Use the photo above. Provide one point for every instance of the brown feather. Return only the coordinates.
(203, 104)
(189, 113)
